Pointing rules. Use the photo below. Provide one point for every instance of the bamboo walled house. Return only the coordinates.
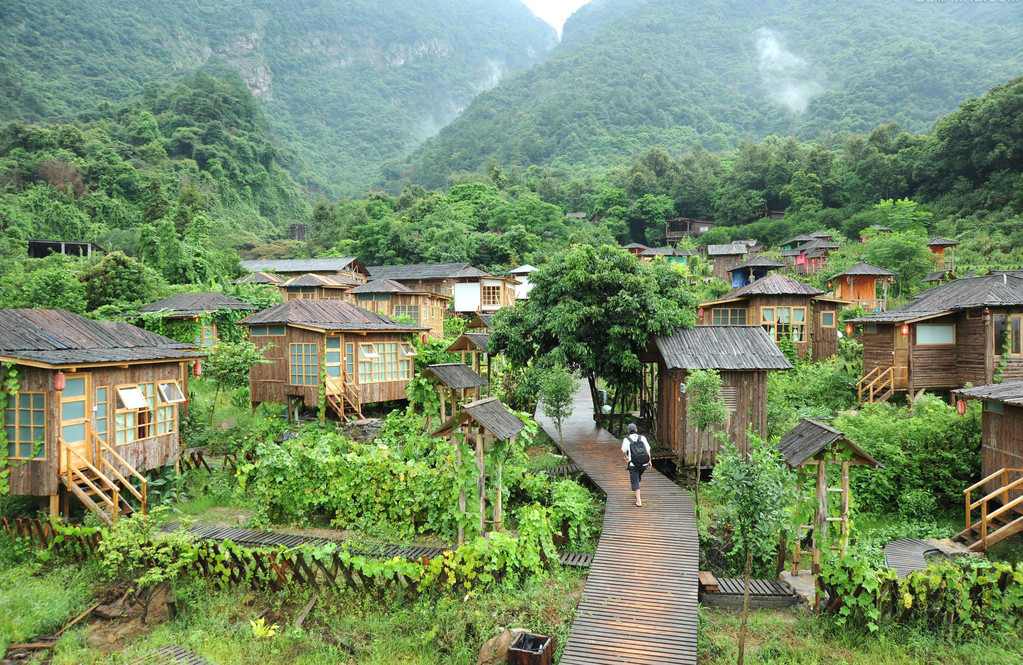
(366, 358)
(314, 286)
(725, 257)
(97, 403)
(785, 308)
(196, 317)
(348, 266)
(742, 354)
(394, 300)
(957, 333)
(473, 290)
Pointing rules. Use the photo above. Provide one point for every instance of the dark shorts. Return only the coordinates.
(634, 475)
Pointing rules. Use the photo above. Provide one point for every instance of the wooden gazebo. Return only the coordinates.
(482, 424)
(812, 445)
(456, 383)
(472, 346)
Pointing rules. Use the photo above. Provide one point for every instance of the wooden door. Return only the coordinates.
(900, 358)
(75, 407)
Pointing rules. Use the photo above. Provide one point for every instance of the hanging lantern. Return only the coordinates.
(905, 330)
(848, 329)
(700, 313)
(59, 381)
(961, 407)
(987, 316)
(197, 369)
(424, 338)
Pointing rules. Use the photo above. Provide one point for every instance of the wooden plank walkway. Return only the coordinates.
(640, 600)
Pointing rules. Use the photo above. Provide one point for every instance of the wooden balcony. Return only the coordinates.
(871, 305)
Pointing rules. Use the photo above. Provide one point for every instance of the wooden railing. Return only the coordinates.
(344, 390)
(987, 519)
(75, 476)
(871, 304)
(876, 382)
(103, 447)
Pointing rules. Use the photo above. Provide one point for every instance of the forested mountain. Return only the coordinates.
(346, 83)
(670, 73)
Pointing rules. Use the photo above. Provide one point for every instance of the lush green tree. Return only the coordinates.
(905, 254)
(557, 391)
(118, 279)
(228, 365)
(706, 409)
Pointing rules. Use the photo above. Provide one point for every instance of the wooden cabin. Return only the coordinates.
(946, 337)
(784, 307)
(313, 286)
(750, 271)
(742, 354)
(260, 277)
(387, 297)
(521, 275)
(943, 254)
(812, 257)
(40, 249)
(347, 266)
(456, 384)
(474, 290)
(97, 404)
(677, 228)
(366, 357)
(670, 255)
(724, 257)
(792, 244)
(198, 308)
(635, 248)
(858, 285)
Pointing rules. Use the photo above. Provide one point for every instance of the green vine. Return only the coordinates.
(1003, 362)
(8, 389)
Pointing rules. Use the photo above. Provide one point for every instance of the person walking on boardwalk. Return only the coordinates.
(636, 449)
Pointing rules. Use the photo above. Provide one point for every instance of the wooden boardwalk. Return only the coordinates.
(639, 603)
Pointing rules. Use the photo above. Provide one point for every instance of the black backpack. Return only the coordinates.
(637, 452)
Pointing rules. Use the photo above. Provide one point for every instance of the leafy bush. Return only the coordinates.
(928, 449)
(811, 390)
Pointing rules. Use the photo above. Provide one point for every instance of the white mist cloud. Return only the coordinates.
(787, 77)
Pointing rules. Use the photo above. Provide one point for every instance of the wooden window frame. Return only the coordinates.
(150, 417)
(988, 404)
(490, 295)
(16, 425)
(102, 433)
(1008, 321)
(729, 313)
(834, 319)
(916, 334)
(305, 352)
(265, 330)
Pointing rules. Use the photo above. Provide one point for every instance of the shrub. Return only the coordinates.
(811, 390)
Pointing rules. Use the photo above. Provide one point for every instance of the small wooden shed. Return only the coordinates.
(742, 354)
(201, 309)
(473, 347)
(725, 257)
(393, 299)
(943, 253)
(752, 270)
(808, 448)
(858, 285)
(457, 384)
(481, 425)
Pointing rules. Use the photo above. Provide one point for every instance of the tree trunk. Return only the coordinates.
(745, 605)
(213, 410)
(699, 462)
(592, 380)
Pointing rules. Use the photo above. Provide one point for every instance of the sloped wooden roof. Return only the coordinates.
(328, 281)
(305, 265)
(866, 269)
(382, 286)
(758, 262)
(57, 337)
(942, 242)
(959, 294)
(259, 277)
(481, 321)
(416, 271)
(666, 251)
(774, 284)
(734, 348)
(194, 304)
(821, 234)
(489, 413)
(810, 438)
(817, 243)
(727, 250)
(455, 375)
(470, 340)
(1010, 392)
(326, 315)
(798, 239)
(635, 245)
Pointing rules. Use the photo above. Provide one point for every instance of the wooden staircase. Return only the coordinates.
(877, 386)
(342, 396)
(997, 522)
(100, 488)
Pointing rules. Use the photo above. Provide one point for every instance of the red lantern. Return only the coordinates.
(424, 338)
(848, 329)
(197, 369)
(905, 330)
(700, 313)
(59, 381)
(961, 407)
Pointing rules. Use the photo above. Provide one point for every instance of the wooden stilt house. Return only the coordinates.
(456, 383)
(750, 271)
(724, 257)
(196, 314)
(742, 354)
(472, 346)
(948, 336)
(810, 447)
(669, 254)
(481, 425)
(943, 254)
(394, 300)
(473, 290)
(366, 358)
(347, 266)
(97, 404)
(313, 286)
(858, 285)
(998, 498)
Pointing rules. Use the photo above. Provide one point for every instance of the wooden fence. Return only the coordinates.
(41, 534)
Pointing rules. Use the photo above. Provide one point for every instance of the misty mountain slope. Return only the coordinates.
(673, 72)
(348, 83)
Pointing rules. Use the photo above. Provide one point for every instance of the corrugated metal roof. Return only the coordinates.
(818, 243)
(1010, 392)
(455, 375)
(867, 269)
(635, 245)
(959, 294)
(942, 242)
(305, 265)
(469, 340)
(416, 271)
(193, 304)
(58, 337)
(382, 286)
(329, 281)
(775, 284)
(758, 262)
(727, 250)
(326, 315)
(666, 251)
(810, 438)
(259, 277)
(721, 347)
(798, 239)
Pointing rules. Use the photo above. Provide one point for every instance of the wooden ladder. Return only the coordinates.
(99, 487)
(878, 385)
(996, 522)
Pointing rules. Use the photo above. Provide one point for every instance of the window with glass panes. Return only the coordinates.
(332, 357)
(25, 426)
(383, 361)
(782, 322)
(133, 413)
(102, 410)
(1008, 338)
(303, 365)
(411, 311)
(490, 295)
(726, 316)
(350, 361)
